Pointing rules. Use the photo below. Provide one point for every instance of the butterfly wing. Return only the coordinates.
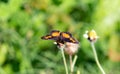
(67, 37)
(52, 36)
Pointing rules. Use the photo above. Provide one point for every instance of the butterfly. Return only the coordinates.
(60, 37)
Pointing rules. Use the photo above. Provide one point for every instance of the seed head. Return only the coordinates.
(71, 48)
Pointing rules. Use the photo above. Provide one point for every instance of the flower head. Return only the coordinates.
(91, 35)
(71, 48)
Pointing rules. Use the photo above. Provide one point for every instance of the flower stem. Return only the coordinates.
(72, 63)
(71, 69)
(96, 58)
(64, 60)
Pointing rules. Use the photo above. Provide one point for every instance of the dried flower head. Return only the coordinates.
(91, 35)
(71, 48)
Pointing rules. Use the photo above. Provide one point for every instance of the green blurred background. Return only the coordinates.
(23, 22)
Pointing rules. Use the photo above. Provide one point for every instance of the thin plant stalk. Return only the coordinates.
(96, 58)
(64, 60)
(72, 63)
(71, 69)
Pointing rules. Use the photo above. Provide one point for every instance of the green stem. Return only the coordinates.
(74, 61)
(71, 63)
(64, 60)
(96, 58)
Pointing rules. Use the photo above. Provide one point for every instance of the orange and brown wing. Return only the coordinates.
(47, 37)
(53, 35)
(67, 37)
